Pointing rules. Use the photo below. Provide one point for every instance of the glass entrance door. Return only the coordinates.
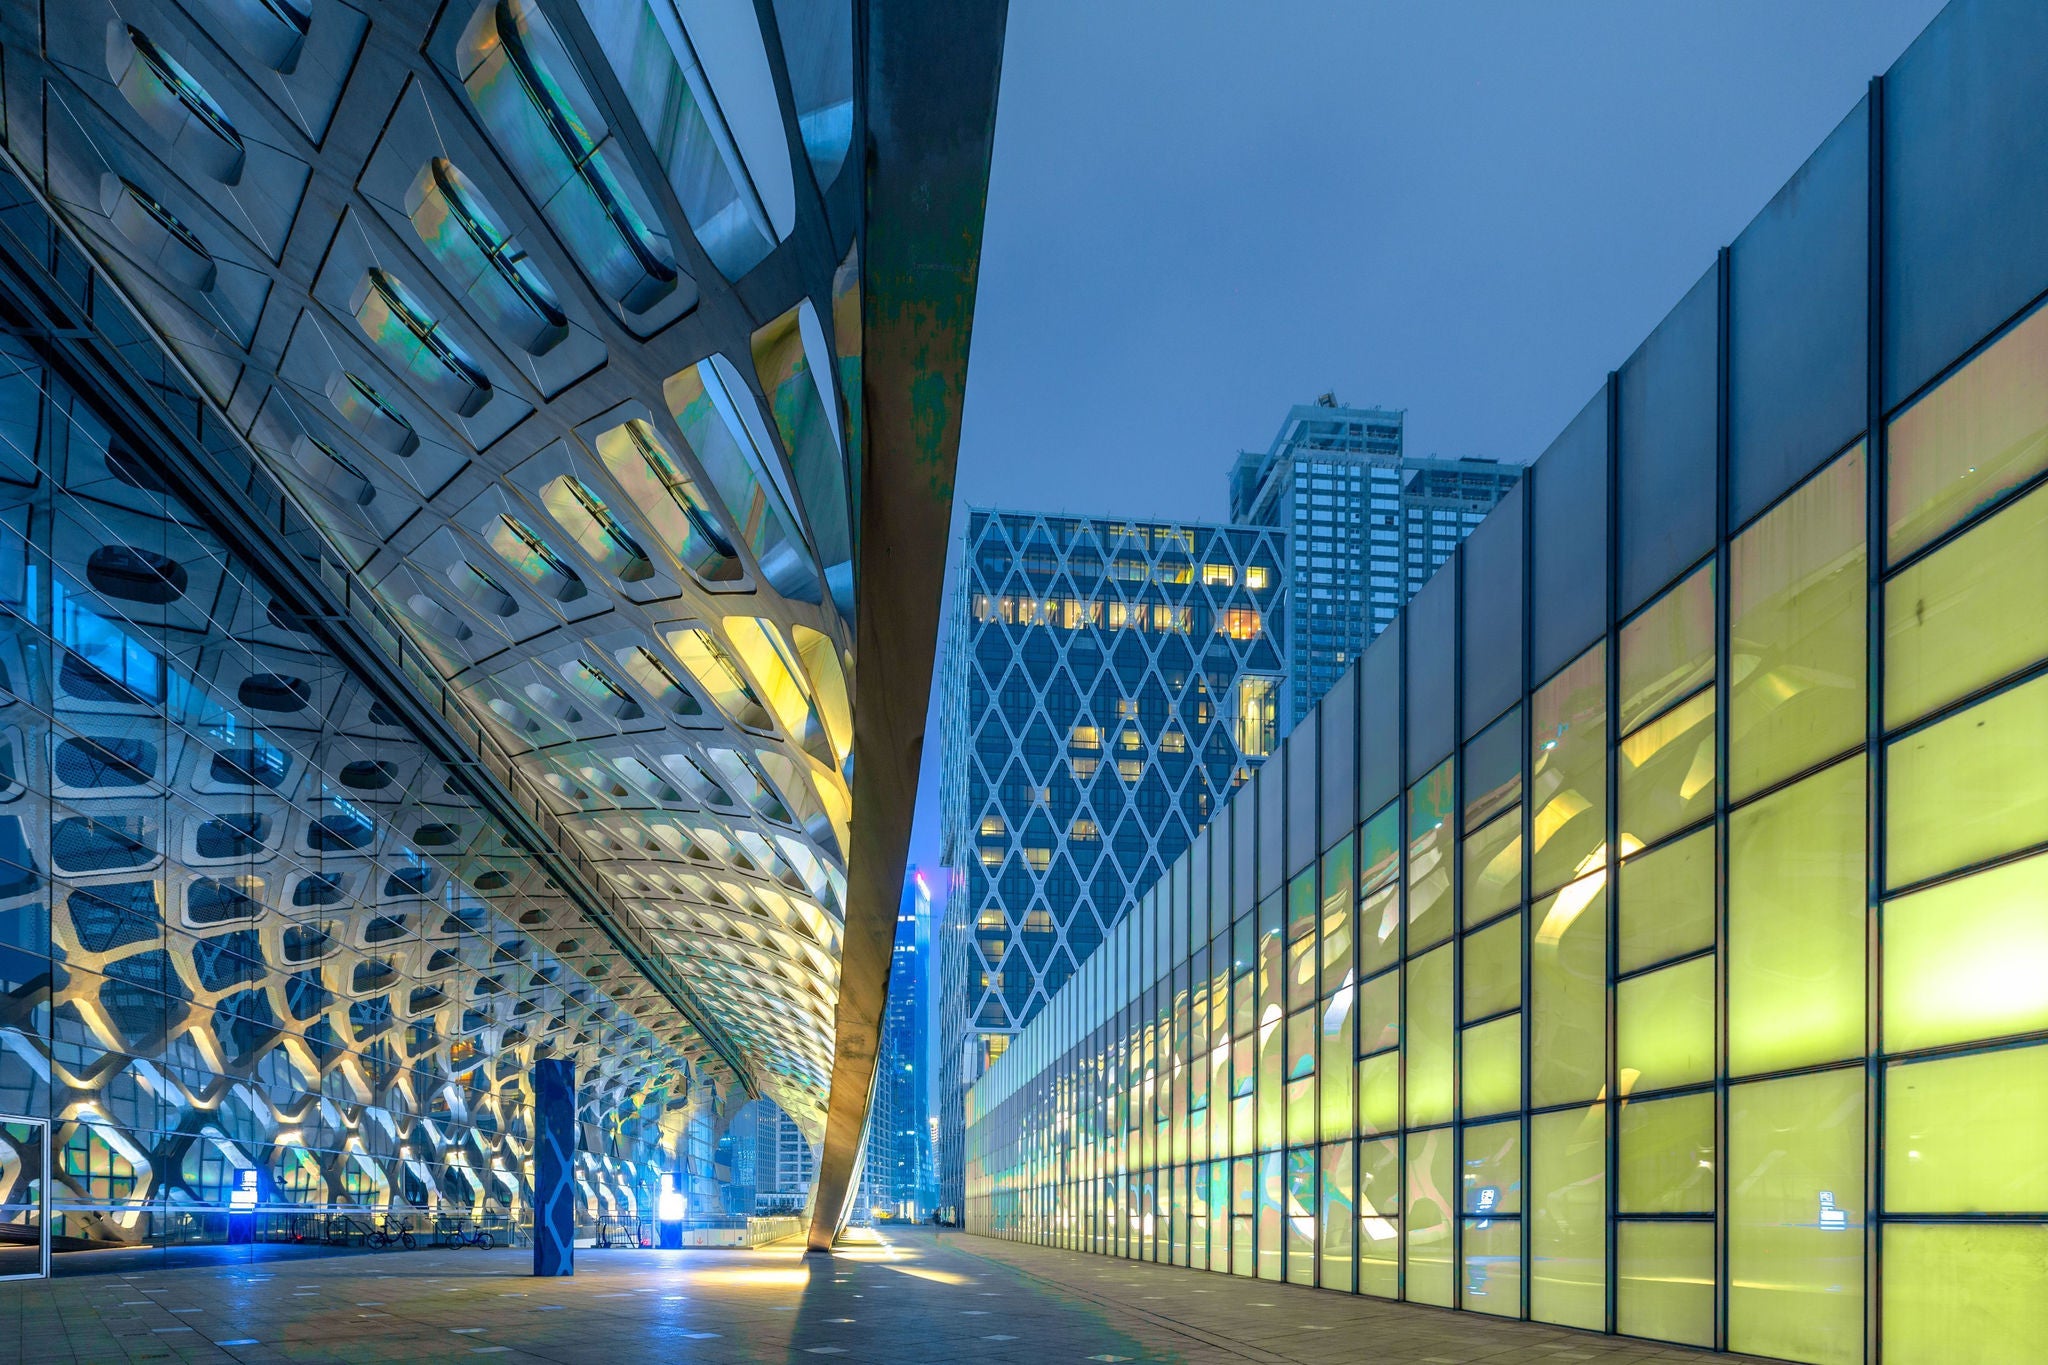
(24, 1198)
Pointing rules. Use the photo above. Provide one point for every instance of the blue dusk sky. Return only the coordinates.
(1201, 213)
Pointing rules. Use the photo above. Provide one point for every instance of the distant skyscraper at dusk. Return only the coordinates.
(1107, 684)
(1367, 526)
(785, 1163)
(899, 1147)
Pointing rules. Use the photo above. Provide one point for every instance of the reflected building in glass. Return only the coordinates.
(1647, 935)
(1107, 684)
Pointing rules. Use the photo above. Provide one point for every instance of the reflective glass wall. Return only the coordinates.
(253, 937)
(1653, 941)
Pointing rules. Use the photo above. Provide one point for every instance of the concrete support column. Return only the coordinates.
(554, 1167)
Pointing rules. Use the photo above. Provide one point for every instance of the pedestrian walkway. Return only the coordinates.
(912, 1296)
(1173, 1314)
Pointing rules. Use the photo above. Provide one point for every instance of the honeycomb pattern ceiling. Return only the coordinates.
(548, 315)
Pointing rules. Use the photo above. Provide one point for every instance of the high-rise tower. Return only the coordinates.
(1367, 526)
(1108, 683)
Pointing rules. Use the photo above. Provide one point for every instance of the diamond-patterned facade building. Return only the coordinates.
(1107, 684)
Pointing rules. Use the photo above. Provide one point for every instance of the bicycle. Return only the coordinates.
(383, 1237)
(480, 1238)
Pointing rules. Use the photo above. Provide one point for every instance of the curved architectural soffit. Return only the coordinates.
(581, 408)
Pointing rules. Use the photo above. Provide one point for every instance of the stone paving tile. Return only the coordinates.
(1180, 1312)
(921, 1299)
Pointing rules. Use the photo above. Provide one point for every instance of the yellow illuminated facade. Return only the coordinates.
(1648, 935)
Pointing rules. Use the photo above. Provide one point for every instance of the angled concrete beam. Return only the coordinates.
(927, 127)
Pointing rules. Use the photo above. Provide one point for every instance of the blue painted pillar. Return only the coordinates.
(554, 1167)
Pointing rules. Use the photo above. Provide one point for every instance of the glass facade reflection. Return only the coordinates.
(1698, 995)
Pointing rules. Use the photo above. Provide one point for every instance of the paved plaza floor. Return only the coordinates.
(918, 1296)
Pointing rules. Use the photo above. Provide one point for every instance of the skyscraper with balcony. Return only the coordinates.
(1367, 526)
(1108, 683)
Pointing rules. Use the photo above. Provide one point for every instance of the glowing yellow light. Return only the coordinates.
(753, 1277)
(935, 1276)
(1569, 904)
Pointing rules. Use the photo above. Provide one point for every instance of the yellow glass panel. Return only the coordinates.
(1430, 1016)
(1493, 968)
(1492, 1175)
(1379, 1093)
(1492, 1282)
(1795, 1218)
(1220, 1102)
(1302, 1038)
(1334, 1101)
(1668, 649)
(1432, 847)
(1664, 1027)
(1379, 1218)
(1964, 1292)
(1270, 1130)
(1493, 867)
(1379, 1012)
(1970, 787)
(1271, 1197)
(1302, 975)
(1336, 1218)
(1568, 994)
(1667, 1155)
(1379, 929)
(1298, 1215)
(1667, 772)
(1964, 1134)
(1244, 1068)
(1568, 772)
(1568, 1218)
(1970, 613)
(1797, 603)
(1666, 1278)
(1968, 959)
(1491, 1066)
(1667, 901)
(1796, 924)
(1427, 1217)
(1980, 434)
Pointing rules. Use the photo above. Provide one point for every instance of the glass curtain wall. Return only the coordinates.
(1700, 995)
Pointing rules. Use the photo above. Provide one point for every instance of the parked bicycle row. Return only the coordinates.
(388, 1233)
